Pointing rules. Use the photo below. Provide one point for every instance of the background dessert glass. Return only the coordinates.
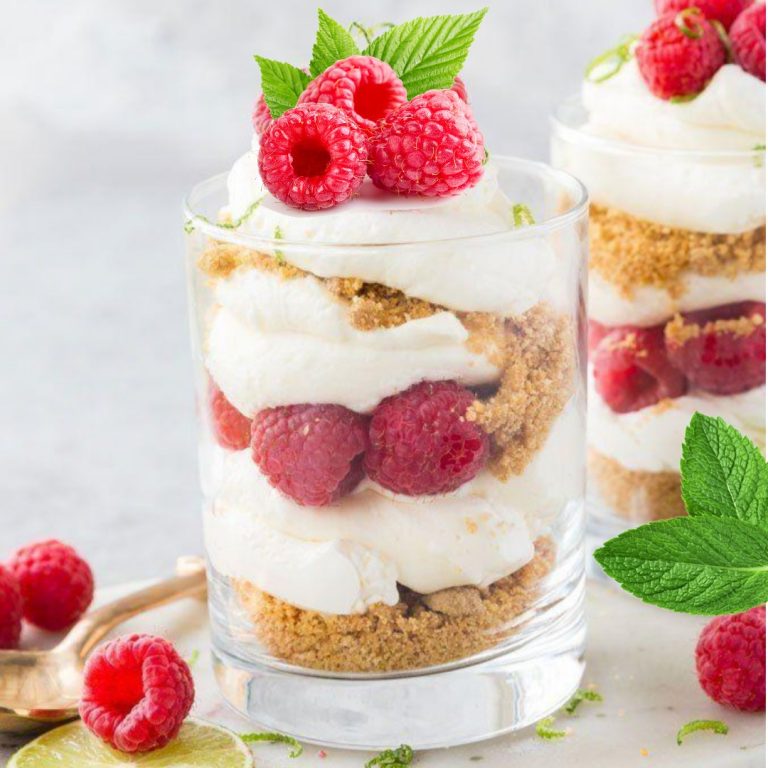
(672, 232)
(382, 618)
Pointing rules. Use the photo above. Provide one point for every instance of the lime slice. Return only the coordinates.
(199, 745)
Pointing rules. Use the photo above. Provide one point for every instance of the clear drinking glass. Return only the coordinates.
(383, 618)
(677, 271)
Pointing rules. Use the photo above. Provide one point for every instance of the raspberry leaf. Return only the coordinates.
(723, 472)
(427, 52)
(332, 43)
(281, 83)
(704, 565)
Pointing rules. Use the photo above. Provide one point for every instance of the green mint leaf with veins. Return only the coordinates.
(332, 43)
(579, 696)
(427, 52)
(281, 83)
(393, 758)
(723, 473)
(716, 726)
(704, 565)
(544, 730)
(275, 738)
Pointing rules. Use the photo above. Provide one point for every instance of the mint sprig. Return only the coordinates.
(427, 52)
(281, 83)
(716, 726)
(332, 43)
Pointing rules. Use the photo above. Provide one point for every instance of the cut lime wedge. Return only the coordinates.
(199, 745)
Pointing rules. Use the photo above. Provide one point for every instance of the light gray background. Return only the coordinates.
(109, 111)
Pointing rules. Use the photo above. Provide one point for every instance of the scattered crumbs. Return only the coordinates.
(644, 752)
(621, 712)
(716, 726)
(544, 730)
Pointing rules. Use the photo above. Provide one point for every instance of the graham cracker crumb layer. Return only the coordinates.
(408, 635)
(679, 332)
(636, 495)
(629, 252)
(219, 260)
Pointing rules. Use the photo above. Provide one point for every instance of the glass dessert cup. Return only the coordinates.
(677, 272)
(384, 618)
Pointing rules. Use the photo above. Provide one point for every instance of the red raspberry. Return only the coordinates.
(365, 88)
(679, 54)
(721, 361)
(56, 584)
(430, 146)
(230, 428)
(459, 86)
(748, 40)
(312, 453)
(261, 116)
(137, 691)
(422, 442)
(10, 610)
(631, 369)
(313, 156)
(724, 11)
(596, 332)
(730, 660)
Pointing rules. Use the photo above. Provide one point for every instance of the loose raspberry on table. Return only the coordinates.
(679, 54)
(313, 156)
(631, 369)
(261, 116)
(430, 146)
(56, 584)
(365, 88)
(748, 40)
(421, 441)
(730, 660)
(460, 87)
(230, 428)
(10, 610)
(718, 360)
(312, 453)
(724, 11)
(137, 691)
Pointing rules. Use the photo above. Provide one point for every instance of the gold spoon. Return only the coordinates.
(40, 689)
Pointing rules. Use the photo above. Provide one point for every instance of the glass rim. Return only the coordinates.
(560, 124)
(198, 221)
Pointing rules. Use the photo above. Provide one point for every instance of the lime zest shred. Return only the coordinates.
(716, 726)
(608, 64)
(522, 216)
(275, 738)
(581, 695)
(544, 730)
(194, 657)
(189, 224)
(279, 255)
(392, 758)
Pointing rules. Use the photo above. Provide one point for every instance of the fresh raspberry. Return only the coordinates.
(231, 429)
(596, 332)
(718, 360)
(261, 116)
(460, 87)
(10, 610)
(724, 11)
(748, 40)
(365, 88)
(312, 453)
(430, 146)
(632, 371)
(313, 156)
(137, 691)
(679, 54)
(56, 584)
(730, 660)
(423, 443)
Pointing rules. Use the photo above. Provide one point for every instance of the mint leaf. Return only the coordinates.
(704, 565)
(427, 52)
(281, 83)
(716, 726)
(332, 43)
(723, 472)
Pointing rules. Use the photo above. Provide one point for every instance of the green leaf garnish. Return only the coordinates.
(393, 758)
(544, 730)
(332, 43)
(716, 726)
(608, 64)
(581, 695)
(522, 216)
(682, 23)
(427, 52)
(275, 738)
(281, 83)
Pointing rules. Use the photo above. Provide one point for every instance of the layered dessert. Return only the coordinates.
(669, 138)
(393, 407)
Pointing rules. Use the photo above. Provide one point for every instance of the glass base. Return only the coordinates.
(460, 705)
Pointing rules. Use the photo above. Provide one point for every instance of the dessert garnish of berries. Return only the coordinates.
(396, 111)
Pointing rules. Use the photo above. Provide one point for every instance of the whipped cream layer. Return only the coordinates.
(348, 556)
(650, 306)
(281, 342)
(651, 439)
(497, 275)
(686, 189)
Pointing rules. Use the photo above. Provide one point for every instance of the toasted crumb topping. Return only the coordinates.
(678, 331)
(629, 252)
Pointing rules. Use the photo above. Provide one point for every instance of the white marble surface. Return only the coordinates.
(639, 658)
